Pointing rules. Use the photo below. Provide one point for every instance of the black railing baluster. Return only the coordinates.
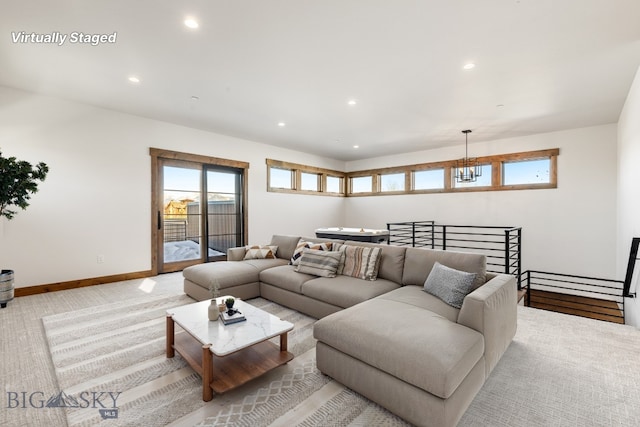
(506, 251)
(528, 298)
(444, 237)
(633, 257)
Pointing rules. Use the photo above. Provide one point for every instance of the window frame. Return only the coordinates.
(448, 167)
(511, 162)
(297, 170)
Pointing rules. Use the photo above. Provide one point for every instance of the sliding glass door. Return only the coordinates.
(200, 212)
(223, 210)
(181, 216)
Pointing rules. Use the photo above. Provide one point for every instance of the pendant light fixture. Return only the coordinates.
(467, 169)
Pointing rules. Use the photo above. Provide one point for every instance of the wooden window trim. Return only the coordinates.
(448, 166)
(156, 181)
(297, 169)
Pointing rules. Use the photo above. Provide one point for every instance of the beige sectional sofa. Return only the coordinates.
(387, 339)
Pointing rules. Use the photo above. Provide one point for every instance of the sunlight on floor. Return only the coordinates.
(147, 285)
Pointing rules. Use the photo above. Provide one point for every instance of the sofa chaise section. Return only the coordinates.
(240, 279)
(416, 356)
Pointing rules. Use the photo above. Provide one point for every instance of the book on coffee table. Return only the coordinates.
(233, 318)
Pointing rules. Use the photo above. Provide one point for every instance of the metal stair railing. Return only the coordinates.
(501, 245)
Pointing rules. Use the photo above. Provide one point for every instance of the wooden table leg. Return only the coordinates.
(207, 373)
(170, 336)
(283, 341)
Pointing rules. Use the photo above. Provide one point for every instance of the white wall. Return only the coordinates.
(97, 199)
(570, 229)
(629, 189)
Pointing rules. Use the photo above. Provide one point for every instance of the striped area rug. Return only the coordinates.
(120, 348)
(559, 370)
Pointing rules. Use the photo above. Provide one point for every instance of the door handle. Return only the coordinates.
(159, 221)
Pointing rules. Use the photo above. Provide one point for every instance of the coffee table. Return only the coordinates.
(227, 356)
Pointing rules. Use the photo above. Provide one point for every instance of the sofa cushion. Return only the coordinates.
(227, 273)
(286, 245)
(304, 244)
(359, 261)
(420, 261)
(449, 284)
(415, 345)
(285, 277)
(260, 252)
(391, 260)
(262, 264)
(415, 295)
(345, 291)
(319, 263)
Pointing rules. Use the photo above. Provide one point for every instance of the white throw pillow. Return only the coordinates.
(260, 252)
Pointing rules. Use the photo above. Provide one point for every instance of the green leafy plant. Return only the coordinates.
(18, 181)
(229, 302)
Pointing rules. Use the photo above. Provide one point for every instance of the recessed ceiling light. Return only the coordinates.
(469, 66)
(134, 79)
(195, 98)
(191, 23)
(500, 105)
(356, 146)
(282, 124)
(352, 102)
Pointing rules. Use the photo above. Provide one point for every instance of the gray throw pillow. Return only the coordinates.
(448, 284)
(319, 262)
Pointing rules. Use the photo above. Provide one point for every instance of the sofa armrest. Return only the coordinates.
(236, 254)
(492, 310)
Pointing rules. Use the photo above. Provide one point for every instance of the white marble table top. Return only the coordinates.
(226, 339)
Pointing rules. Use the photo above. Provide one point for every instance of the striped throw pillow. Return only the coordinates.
(319, 263)
(360, 262)
(302, 245)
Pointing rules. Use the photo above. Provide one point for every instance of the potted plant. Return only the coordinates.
(229, 303)
(18, 181)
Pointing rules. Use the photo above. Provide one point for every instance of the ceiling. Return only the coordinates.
(541, 66)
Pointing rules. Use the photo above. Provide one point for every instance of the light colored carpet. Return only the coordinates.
(119, 348)
(560, 370)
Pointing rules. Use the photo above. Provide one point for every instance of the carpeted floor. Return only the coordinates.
(560, 370)
(117, 351)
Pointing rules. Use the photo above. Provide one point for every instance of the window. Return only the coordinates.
(484, 180)
(526, 172)
(513, 171)
(309, 181)
(432, 179)
(334, 184)
(285, 177)
(362, 184)
(392, 182)
(280, 178)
